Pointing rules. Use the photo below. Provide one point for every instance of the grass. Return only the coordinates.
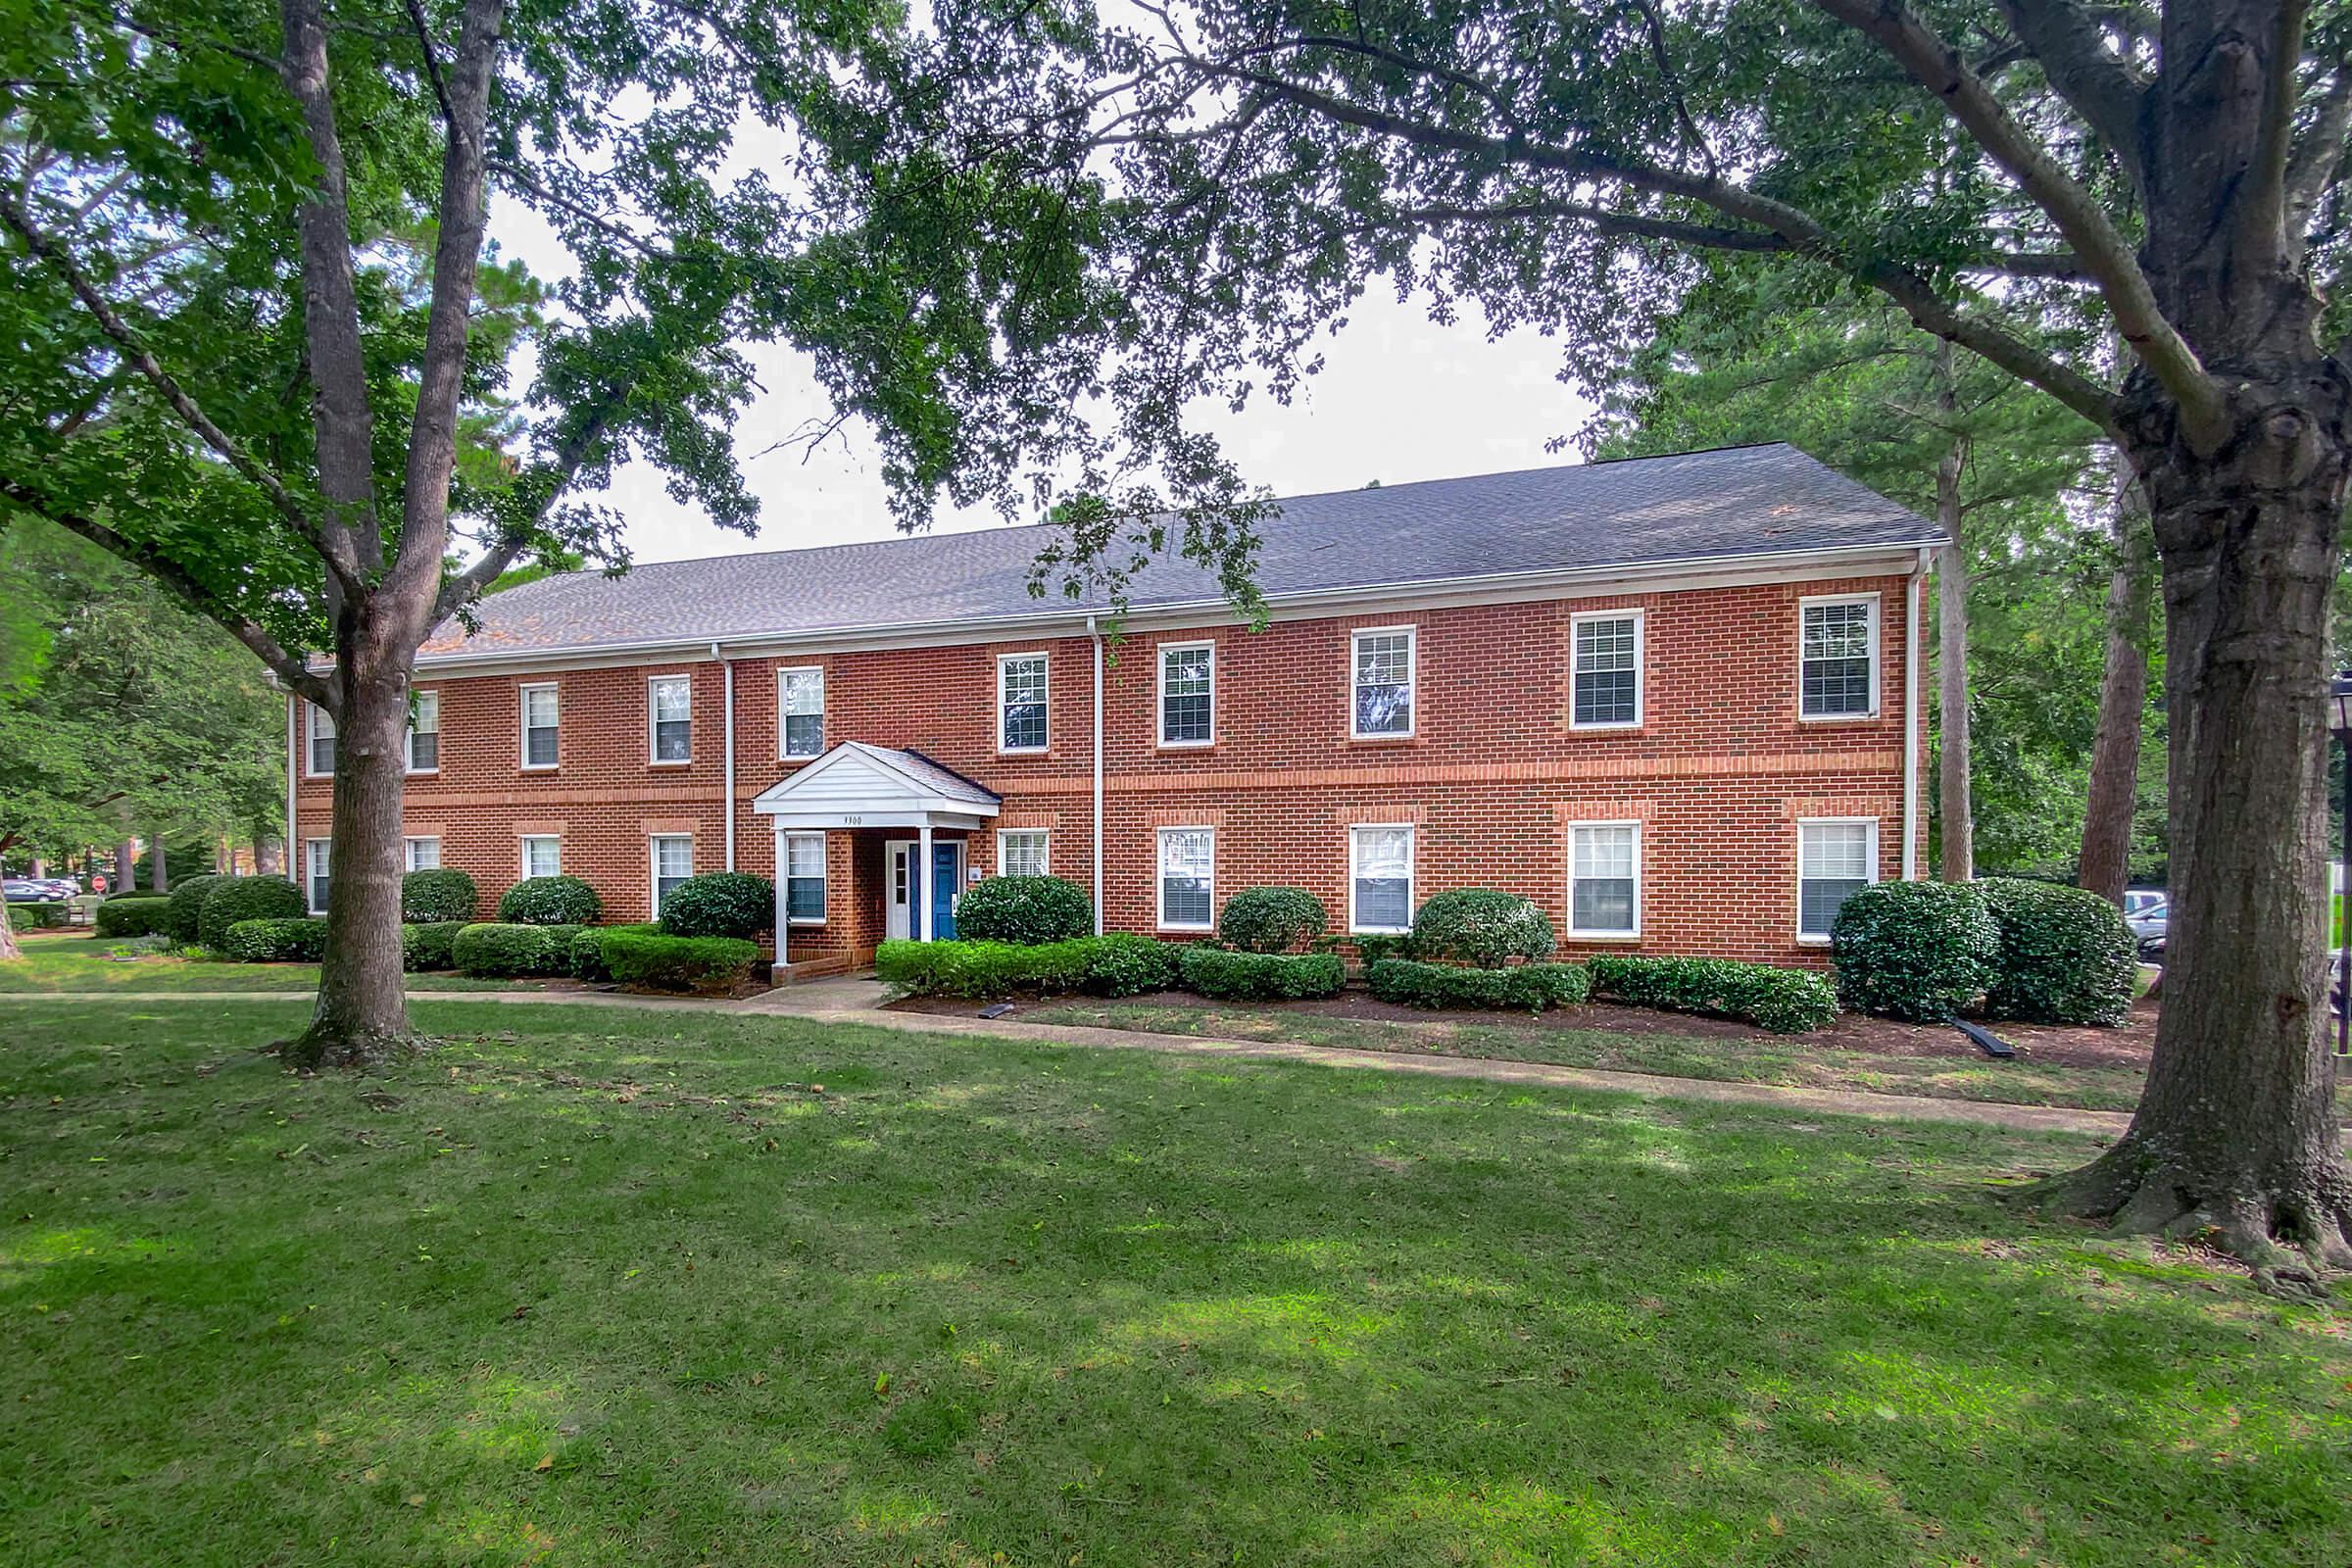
(1758, 1058)
(588, 1286)
(64, 963)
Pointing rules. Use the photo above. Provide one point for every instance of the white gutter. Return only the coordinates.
(1913, 707)
(293, 751)
(1095, 633)
(726, 673)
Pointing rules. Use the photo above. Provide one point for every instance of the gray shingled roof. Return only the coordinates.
(1740, 501)
(944, 779)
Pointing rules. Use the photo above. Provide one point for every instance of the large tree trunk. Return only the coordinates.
(158, 878)
(8, 940)
(2108, 815)
(2236, 1135)
(127, 866)
(1959, 828)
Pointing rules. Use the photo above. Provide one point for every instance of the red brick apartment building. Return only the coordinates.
(1674, 700)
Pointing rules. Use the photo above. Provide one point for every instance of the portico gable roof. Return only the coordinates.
(857, 785)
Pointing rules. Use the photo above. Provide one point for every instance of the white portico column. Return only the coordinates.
(925, 881)
(783, 915)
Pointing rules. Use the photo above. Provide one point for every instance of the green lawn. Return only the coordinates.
(589, 1286)
(79, 962)
(1756, 1058)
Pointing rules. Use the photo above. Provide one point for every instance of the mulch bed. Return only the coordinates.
(2059, 1047)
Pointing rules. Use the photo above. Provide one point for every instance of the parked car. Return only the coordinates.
(23, 890)
(2148, 924)
(61, 887)
(2137, 900)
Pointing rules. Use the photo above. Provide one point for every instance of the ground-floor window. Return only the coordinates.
(315, 866)
(424, 854)
(673, 863)
(1021, 852)
(1604, 879)
(542, 854)
(1834, 857)
(1380, 888)
(804, 878)
(1187, 872)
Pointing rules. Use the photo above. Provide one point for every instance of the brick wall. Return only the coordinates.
(1718, 772)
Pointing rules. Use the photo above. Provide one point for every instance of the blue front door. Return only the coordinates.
(945, 862)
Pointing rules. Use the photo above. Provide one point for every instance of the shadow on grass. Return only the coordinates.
(596, 1287)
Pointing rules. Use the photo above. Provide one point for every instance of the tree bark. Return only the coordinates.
(126, 866)
(1955, 807)
(8, 940)
(2105, 866)
(157, 877)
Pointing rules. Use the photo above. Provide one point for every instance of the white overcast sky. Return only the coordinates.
(1399, 397)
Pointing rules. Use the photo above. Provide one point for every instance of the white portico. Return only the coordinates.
(854, 787)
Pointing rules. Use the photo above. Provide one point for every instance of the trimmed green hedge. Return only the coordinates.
(2066, 955)
(1484, 926)
(186, 916)
(510, 952)
(287, 941)
(135, 917)
(719, 903)
(1271, 919)
(1372, 949)
(1228, 976)
(1523, 987)
(438, 897)
(1128, 965)
(650, 959)
(550, 900)
(1025, 909)
(245, 898)
(986, 971)
(36, 916)
(1917, 950)
(1787, 1002)
(431, 945)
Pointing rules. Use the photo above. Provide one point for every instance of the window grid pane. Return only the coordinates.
(321, 735)
(1837, 659)
(542, 856)
(1384, 683)
(1022, 853)
(424, 733)
(424, 854)
(1607, 672)
(1024, 703)
(539, 714)
(1384, 878)
(1833, 862)
(803, 713)
(1603, 872)
(1187, 876)
(317, 862)
(673, 863)
(805, 877)
(1185, 694)
(673, 719)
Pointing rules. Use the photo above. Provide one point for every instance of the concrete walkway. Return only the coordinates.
(858, 1002)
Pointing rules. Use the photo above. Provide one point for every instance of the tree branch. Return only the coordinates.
(2106, 255)
(175, 578)
(2262, 214)
(2313, 168)
(433, 62)
(464, 588)
(2070, 41)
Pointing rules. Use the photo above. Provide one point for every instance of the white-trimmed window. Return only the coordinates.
(542, 854)
(804, 878)
(1604, 879)
(424, 854)
(1382, 701)
(1605, 670)
(1380, 880)
(1187, 693)
(1188, 878)
(1021, 703)
(540, 711)
(801, 711)
(1021, 852)
(673, 863)
(669, 717)
(319, 742)
(1838, 657)
(424, 733)
(316, 869)
(1834, 856)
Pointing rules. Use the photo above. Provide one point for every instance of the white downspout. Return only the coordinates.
(293, 751)
(1912, 709)
(1095, 635)
(726, 673)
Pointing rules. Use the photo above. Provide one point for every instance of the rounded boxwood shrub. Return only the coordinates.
(244, 897)
(1024, 909)
(429, 946)
(1128, 965)
(1484, 926)
(135, 917)
(2066, 955)
(719, 903)
(186, 919)
(588, 948)
(1523, 987)
(550, 900)
(438, 898)
(987, 972)
(1271, 919)
(1787, 1002)
(508, 951)
(1229, 976)
(635, 957)
(44, 916)
(1916, 951)
(289, 941)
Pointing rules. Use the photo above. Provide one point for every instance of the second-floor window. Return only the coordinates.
(425, 732)
(669, 700)
(1384, 682)
(539, 709)
(801, 702)
(1021, 703)
(319, 741)
(1838, 658)
(1186, 694)
(1607, 673)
